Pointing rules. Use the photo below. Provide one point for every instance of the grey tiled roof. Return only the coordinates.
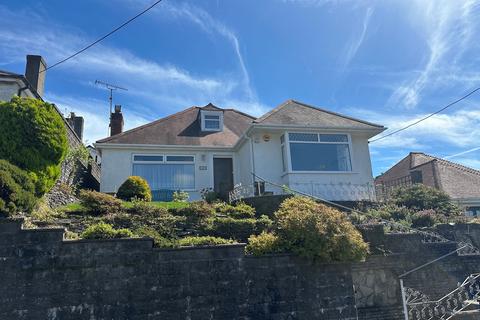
(183, 128)
(294, 113)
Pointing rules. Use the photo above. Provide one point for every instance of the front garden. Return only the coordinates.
(33, 144)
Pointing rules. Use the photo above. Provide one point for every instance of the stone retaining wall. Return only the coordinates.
(46, 277)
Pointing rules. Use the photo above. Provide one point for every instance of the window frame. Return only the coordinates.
(289, 155)
(204, 113)
(165, 162)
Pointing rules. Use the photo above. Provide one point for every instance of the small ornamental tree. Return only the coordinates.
(33, 137)
(135, 187)
(420, 197)
(318, 232)
(17, 191)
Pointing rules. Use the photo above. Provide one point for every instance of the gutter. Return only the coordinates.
(100, 146)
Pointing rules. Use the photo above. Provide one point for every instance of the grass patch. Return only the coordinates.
(78, 207)
(72, 207)
(161, 204)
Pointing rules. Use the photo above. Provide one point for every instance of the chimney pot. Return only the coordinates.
(76, 123)
(35, 74)
(116, 121)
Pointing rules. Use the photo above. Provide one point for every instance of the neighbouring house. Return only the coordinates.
(295, 145)
(461, 183)
(94, 154)
(32, 85)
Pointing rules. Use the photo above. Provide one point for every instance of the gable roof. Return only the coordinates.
(296, 113)
(458, 181)
(422, 158)
(183, 128)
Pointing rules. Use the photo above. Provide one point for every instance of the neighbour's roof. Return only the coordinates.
(458, 181)
(296, 113)
(4, 73)
(183, 128)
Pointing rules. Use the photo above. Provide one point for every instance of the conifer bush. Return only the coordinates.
(202, 241)
(264, 243)
(104, 230)
(318, 232)
(420, 197)
(17, 190)
(135, 187)
(33, 137)
(98, 203)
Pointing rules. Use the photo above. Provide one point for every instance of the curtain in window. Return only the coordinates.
(343, 156)
(167, 176)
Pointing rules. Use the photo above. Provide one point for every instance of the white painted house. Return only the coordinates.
(295, 145)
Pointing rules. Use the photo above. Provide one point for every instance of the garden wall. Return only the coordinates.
(45, 277)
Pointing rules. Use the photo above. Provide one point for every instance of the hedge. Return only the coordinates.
(33, 137)
(17, 191)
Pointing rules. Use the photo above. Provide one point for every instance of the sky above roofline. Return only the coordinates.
(385, 62)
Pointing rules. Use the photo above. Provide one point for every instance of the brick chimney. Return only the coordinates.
(116, 121)
(76, 123)
(34, 74)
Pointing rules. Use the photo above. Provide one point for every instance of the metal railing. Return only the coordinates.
(420, 307)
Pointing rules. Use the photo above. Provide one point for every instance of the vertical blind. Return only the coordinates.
(167, 176)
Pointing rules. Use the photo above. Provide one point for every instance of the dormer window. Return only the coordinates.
(212, 120)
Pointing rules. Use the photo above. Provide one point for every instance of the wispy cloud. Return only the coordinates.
(210, 25)
(355, 44)
(462, 153)
(155, 88)
(460, 129)
(96, 120)
(446, 27)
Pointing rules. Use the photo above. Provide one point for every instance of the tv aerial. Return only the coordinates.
(110, 87)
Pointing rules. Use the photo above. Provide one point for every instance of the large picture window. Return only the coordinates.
(319, 152)
(171, 172)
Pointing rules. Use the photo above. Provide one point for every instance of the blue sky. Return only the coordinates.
(390, 62)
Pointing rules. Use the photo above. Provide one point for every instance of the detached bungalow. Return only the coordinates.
(295, 145)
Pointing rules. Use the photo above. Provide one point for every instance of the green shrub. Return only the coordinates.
(202, 241)
(141, 207)
(390, 212)
(239, 211)
(43, 212)
(135, 187)
(33, 137)
(196, 212)
(105, 231)
(318, 232)
(99, 203)
(208, 195)
(158, 240)
(180, 196)
(150, 216)
(17, 191)
(264, 243)
(420, 197)
(238, 229)
(425, 218)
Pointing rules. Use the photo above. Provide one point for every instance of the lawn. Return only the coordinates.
(77, 206)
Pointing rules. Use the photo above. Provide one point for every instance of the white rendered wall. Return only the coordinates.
(117, 166)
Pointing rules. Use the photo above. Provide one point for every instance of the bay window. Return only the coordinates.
(319, 152)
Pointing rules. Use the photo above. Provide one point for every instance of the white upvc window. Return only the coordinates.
(319, 152)
(211, 120)
(165, 171)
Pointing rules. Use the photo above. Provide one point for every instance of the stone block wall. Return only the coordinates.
(46, 277)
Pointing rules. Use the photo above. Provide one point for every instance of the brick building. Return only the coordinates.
(460, 182)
